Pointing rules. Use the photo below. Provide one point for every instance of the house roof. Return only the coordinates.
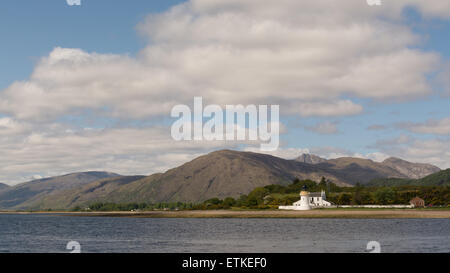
(315, 194)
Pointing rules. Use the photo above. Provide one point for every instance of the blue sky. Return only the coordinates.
(31, 30)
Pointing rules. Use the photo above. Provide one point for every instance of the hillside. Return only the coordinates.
(96, 191)
(361, 170)
(3, 186)
(441, 178)
(26, 194)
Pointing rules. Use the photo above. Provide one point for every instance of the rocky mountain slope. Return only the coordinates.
(411, 170)
(310, 159)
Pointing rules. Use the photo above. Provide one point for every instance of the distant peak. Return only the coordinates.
(310, 159)
(392, 159)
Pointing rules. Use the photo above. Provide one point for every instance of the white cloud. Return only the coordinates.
(433, 151)
(437, 127)
(36, 177)
(329, 152)
(324, 108)
(375, 156)
(9, 126)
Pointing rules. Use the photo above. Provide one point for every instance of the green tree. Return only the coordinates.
(213, 201)
(242, 201)
(344, 199)
(229, 202)
(357, 195)
(323, 184)
(384, 196)
(256, 197)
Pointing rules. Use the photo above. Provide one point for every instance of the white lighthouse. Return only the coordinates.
(303, 203)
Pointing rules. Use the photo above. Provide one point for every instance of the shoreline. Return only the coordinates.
(328, 213)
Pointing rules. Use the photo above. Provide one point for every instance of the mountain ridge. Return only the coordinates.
(224, 173)
(389, 166)
(21, 196)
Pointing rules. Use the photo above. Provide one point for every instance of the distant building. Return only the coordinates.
(318, 199)
(417, 202)
(309, 200)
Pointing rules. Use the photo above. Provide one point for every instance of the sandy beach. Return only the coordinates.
(326, 213)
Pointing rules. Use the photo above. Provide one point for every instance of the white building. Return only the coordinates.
(309, 200)
(318, 199)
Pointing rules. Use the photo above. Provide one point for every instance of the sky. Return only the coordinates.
(91, 87)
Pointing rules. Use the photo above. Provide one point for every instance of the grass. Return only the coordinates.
(319, 213)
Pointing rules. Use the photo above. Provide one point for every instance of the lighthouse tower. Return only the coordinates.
(304, 200)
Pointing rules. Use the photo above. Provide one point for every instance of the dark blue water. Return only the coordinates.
(50, 233)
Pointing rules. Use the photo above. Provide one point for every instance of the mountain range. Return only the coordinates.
(218, 174)
(391, 167)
